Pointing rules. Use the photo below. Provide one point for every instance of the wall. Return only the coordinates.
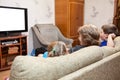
(97, 12)
(39, 11)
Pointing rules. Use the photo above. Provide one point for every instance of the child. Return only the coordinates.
(108, 33)
(88, 35)
(56, 48)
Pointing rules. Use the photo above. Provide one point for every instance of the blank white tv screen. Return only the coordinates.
(12, 19)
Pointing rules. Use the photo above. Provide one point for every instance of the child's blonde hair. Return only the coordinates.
(57, 48)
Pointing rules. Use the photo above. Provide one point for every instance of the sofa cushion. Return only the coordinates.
(53, 68)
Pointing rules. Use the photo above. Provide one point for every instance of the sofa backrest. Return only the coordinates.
(37, 68)
(105, 69)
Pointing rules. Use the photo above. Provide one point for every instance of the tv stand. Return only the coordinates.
(10, 47)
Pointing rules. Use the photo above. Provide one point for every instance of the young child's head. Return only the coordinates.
(89, 35)
(108, 29)
(57, 48)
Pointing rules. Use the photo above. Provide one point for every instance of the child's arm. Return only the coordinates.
(110, 42)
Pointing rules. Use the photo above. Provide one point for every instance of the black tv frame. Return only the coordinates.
(15, 32)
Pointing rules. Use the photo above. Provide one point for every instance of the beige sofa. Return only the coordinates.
(90, 63)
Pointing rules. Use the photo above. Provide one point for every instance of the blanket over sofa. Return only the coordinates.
(86, 64)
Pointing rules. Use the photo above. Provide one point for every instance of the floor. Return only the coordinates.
(4, 74)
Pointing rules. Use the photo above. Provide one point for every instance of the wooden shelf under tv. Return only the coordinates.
(9, 51)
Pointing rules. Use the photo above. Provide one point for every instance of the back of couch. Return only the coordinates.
(37, 68)
(105, 69)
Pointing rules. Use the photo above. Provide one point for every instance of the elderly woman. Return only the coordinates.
(88, 35)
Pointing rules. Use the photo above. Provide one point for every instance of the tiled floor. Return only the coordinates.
(4, 74)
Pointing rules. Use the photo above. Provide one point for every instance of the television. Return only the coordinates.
(13, 20)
